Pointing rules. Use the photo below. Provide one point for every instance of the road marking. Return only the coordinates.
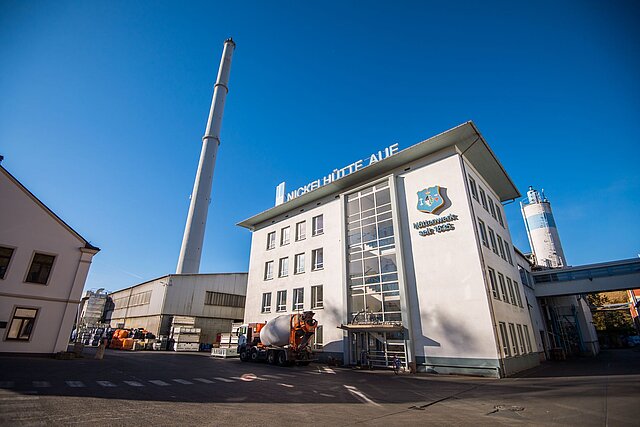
(326, 395)
(19, 398)
(360, 395)
(6, 384)
(273, 377)
(134, 383)
(286, 385)
(75, 383)
(181, 381)
(203, 380)
(224, 380)
(41, 384)
(328, 370)
(106, 384)
(158, 382)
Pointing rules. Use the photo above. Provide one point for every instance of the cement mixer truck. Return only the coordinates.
(281, 341)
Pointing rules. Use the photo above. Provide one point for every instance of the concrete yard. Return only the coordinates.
(164, 388)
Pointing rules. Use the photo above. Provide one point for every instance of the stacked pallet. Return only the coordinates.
(184, 335)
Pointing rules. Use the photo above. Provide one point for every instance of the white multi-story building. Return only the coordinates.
(403, 253)
(43, 267)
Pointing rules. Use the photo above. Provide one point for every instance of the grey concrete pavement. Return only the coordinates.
(164, 388)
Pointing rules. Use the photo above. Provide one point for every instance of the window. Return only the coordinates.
(518, 295)
(282, 301)
(316, 297)
(22, 323)
(271, 240)
(483, 233)
(473, 188)
(503, 289)
(283, 270)
(527, 338)
(298, 262)
(492, 207)
(266, 302)
(317, 226)
(483, 199)
(285, 236)
(301, 230)
(508, 252)
(298, 299)
(222, 299)
(512, 295)
(501, 247)
(40, 268)
(268, 270)
(492, 239)
(492, 281)
(318, 339)
(506, 349)
(499, 213)
(523, 349)
(5, 258)
(141, 298)
(317, 259)
(514, 342)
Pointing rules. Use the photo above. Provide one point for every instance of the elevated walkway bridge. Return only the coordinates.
(584, 279)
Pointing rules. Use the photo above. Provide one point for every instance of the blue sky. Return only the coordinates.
(104, 105)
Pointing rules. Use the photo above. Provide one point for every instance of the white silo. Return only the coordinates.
(541, 230)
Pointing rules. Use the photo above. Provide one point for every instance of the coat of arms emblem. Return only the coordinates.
(430, 200)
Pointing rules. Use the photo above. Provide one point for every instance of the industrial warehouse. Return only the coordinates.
(408, 256)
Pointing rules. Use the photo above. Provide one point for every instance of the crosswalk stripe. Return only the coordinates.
(181, 381)
(106, 384)
(158, 382)
(6, 384)
(224, 380)
(134, 383)
(41, 384)
(203, 380)
(75, 383)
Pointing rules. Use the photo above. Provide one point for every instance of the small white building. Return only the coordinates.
(402, 253)
(215, 300)
(43, 267)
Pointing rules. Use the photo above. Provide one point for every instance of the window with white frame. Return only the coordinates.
(317, 299)
(271, 240)
(527, 338)
(317, 225)
(483, 199)
(473, 188)
(268, 270)
(298, 299)
(492, 207)
(523, 349)
(512, 295)
(514, 341)
(483, 232)
(283, 270)
(318, 339)
(301, 230)
(506, 348)
(281, 301)
(40, 268)
(516, 287)
(317, 259)
(299, 263)
(285, 236)
(503, 288)
(22, 323)
(492, 282)
(492, 239)
(5, 259)
(499, 214)
(507, 250)
(501, 247)
(266, 302)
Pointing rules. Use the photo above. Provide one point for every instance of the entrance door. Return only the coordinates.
(376, 350)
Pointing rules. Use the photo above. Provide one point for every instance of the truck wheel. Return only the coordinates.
(282, 358)
(244, 356)
(271, 357)
(254, 355)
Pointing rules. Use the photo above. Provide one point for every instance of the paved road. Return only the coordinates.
(168, 389)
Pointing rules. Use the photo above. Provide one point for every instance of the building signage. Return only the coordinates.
(431, 200)
(335, 175)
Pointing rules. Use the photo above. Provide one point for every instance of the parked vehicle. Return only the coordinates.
(284, 340)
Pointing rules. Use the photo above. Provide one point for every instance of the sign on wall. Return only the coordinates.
(431, 200)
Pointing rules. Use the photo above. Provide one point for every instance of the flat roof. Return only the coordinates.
(465, 137)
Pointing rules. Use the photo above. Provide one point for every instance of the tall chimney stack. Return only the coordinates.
(191, 250)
